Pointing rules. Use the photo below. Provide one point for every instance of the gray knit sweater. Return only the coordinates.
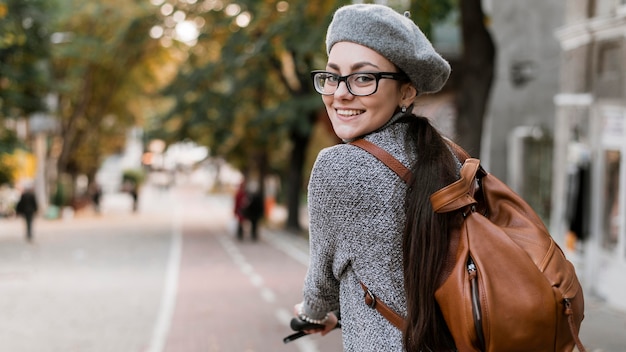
(356, 209)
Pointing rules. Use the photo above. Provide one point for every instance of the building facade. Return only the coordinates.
(519, 124)
(589, 168)
(555, 129)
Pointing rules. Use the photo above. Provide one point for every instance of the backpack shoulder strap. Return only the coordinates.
(406, 175)
(387, 312)
(457, 150)
(394, 164)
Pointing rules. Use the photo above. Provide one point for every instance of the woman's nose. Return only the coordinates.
(342, 90)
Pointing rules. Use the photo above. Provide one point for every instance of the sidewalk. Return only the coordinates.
(604, 327)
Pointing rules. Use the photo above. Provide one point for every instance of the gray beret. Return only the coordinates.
(394, 36)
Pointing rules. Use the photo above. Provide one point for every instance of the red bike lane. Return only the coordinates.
(237, 295)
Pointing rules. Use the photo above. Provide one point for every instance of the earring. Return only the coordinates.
(403, 109)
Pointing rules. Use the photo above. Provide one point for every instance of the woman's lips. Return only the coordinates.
(348, 113)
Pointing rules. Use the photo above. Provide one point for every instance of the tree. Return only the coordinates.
(105, 73)
(473, 72)
(427, 13)
(24, 79)
(24, 51)
(476, 75)
(8, 143)
(253, 95)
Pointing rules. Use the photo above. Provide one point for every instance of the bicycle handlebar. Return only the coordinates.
(300, 326)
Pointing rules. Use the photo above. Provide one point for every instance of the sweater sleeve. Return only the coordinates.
(354, 204)
(321, 288)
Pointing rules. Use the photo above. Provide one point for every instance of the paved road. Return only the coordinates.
(171, 278)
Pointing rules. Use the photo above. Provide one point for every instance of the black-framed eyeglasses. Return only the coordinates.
(359, 83)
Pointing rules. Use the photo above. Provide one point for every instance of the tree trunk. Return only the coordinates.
(477, 66)
(70, 129)
(300, 143)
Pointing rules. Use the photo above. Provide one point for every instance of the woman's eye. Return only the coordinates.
(363, 78)
(331, 78)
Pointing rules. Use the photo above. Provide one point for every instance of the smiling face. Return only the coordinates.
(354, 116)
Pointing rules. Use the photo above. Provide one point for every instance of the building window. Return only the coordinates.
(609, 70)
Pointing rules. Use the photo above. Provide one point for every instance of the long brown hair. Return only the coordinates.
(426, 237)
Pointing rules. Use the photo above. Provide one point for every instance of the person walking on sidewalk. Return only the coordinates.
(241, 201)
(248, 208)
(378, 63)
(254, 212)
(95, 191)
(27, 208)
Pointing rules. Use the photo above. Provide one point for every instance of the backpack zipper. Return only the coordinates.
(475, 294)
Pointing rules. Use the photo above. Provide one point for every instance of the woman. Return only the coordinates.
(378, 63)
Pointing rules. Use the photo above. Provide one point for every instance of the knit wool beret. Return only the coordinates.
(394, 36)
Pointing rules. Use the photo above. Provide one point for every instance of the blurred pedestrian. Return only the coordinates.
(96, 195)
(132, 188)
(134, 193)
(27, 208)
(254, 212)
(249, 209)
(241, 201)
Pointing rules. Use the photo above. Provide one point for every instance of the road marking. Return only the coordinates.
(287, 246)
(268, 295)
(168, 301)
(240, 260)
(282, 315)
(256, 280)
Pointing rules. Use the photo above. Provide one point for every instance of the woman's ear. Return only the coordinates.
(409, 93)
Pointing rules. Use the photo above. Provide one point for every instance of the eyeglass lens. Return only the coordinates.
(357, 83)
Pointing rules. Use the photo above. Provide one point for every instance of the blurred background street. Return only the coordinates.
(171, 277)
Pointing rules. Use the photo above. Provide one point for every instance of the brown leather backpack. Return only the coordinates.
(507, 285)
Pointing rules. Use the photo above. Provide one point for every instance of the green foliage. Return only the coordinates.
(6, 173)
(134, 176)
(61, 196)
(103, 73)
(107, 73)
(8, 140)
(253, 90)
(24, 55)
(425, 13)
(8, 143)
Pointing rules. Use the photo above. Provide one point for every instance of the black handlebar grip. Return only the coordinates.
(299, 325)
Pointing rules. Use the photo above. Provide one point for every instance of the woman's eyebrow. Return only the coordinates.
(333, 66)
(362, 64)
(354, 66)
